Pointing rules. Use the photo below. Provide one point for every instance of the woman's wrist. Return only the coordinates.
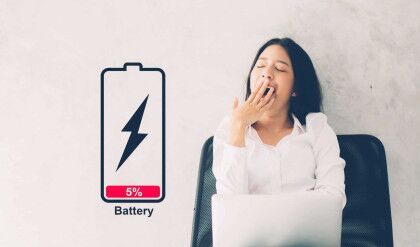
(237, 124)
(237, 134)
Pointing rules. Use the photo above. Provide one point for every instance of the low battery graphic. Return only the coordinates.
(133, 134)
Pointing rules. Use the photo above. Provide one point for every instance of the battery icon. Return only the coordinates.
(132, 134)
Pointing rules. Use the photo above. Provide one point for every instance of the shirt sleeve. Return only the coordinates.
(229, 163)
(329, 172)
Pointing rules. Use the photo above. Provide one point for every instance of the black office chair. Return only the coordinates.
(367, 215)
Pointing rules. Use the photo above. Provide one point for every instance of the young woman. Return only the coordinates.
(279, 141)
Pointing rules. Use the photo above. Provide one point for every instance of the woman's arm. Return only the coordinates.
(229, 159)
(237, 134)
(229, 150)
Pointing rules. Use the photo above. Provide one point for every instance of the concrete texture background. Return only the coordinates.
(51, 54)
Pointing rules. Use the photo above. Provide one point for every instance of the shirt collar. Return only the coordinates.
(297, 126)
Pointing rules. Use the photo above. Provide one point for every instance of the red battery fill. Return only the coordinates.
(132, 191)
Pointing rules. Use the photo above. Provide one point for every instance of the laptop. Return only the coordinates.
(290, 219)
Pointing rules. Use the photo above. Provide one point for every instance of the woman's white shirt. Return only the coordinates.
(307, 159)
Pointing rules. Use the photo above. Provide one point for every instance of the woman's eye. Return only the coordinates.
(263, 65)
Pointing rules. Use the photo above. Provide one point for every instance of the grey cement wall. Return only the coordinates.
(51, 54)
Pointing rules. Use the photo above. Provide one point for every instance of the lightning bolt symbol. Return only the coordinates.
(133, 126)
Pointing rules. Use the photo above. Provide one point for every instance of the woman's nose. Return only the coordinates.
(267, 73)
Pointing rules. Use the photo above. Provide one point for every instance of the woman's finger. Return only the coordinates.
(235, 103)
(268, 105)
(265, 99)
(252, 95)
(260, 93)
(261, 104)
(270, 92)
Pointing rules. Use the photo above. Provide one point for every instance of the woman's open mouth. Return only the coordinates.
(268, 89)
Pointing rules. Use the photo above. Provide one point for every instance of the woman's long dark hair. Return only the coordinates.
(306, 85)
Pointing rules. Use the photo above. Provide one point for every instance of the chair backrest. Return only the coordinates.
(367, 215)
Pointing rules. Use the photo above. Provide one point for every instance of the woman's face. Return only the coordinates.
(274, 65)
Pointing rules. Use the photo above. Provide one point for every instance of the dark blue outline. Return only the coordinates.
(141, 68)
